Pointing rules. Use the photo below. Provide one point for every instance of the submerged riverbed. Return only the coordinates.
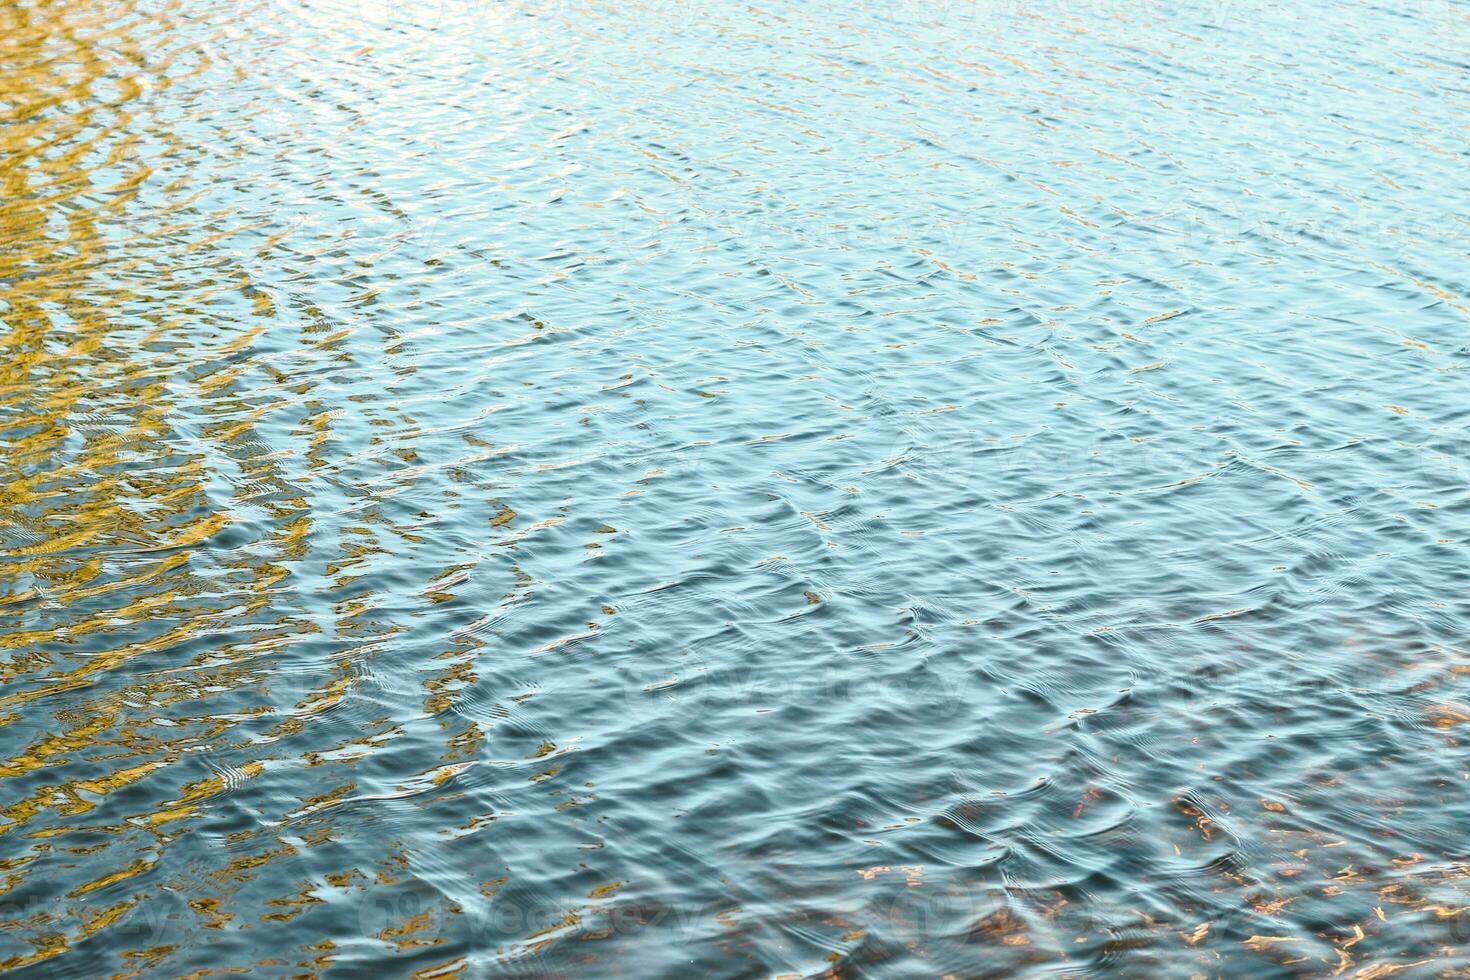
(674, 488)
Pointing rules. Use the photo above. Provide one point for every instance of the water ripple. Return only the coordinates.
(949, 489)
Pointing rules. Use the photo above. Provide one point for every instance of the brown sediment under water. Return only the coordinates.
(586, 489)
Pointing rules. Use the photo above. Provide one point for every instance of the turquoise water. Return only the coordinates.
(686, 489)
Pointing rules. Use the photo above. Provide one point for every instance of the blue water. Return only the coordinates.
(586, 489)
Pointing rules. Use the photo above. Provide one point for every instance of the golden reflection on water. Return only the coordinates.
(128, 608)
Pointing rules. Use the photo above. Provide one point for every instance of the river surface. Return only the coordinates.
(674, 488)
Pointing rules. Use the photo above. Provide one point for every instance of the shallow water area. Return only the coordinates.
(741, 490)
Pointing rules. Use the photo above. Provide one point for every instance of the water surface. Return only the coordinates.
(672, 488)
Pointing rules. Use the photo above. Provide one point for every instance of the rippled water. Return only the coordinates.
(672, 488)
